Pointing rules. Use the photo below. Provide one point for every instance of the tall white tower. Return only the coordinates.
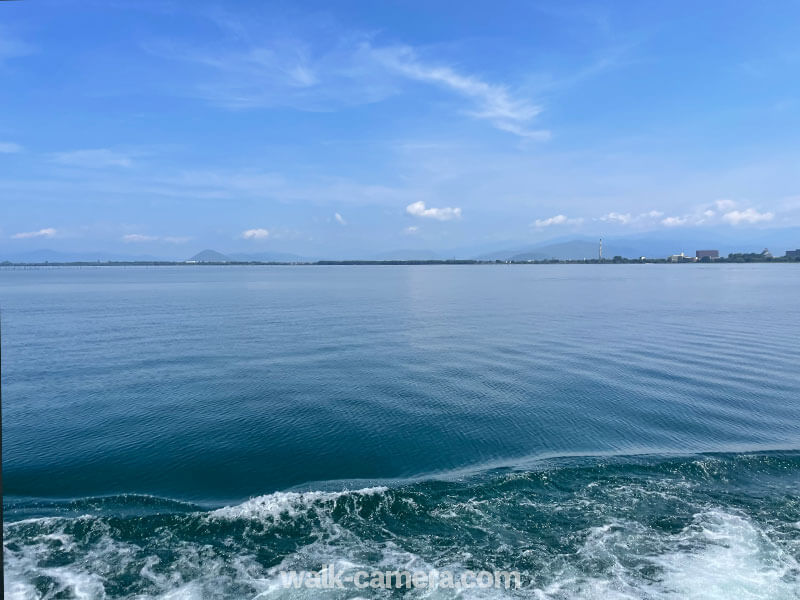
(600, 250)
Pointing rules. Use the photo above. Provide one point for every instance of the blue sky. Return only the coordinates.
(343, 129)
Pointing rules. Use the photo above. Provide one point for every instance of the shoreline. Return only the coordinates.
(333, 263)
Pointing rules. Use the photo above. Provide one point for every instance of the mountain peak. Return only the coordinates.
(210, 256)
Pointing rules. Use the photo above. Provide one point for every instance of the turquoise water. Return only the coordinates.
(610, 431)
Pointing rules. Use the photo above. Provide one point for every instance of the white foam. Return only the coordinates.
(720, 555)
(287, 503)
(21, 567)
(728, 556)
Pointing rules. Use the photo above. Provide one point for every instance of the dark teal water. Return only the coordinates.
(612, 431)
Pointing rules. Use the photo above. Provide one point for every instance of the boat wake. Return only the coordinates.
(722, 526)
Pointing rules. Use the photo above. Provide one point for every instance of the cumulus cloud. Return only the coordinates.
(339, 219)
(556, 220)
(9, 148)
(48, 232)
(418, 209)
(255, 234)
(724, 212)
(99, 158)
(749, 215)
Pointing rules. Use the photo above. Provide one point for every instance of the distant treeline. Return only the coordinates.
(731, 258)
(401, 262)
(738, 257)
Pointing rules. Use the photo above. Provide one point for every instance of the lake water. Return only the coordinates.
(610, 431)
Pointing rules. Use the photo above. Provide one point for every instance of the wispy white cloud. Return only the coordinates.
(539, 135)
(48, 232)
(724, 204)
(615, 217)
(98, 158)
(556, 220)
(255, 234)
(11, 47)
(230, 184)
(139, 237)
(411, 230)
(492, 102)
(626, 219)
(339, 219)
(749, 215)
(9, 148)
(418, 209)
(699, 216)
(674, 221)
(323, 72)
(266, 71)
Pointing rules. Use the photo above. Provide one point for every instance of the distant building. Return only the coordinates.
(712, 254)
(679, 258)
(766, 253)
(793, 254)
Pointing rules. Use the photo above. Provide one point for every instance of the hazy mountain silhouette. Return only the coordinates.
(55, 256)
(658, 244)
(408, 254)
(210, 256)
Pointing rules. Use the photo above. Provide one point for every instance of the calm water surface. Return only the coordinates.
(626, 431)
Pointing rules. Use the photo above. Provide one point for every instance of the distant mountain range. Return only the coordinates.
(573, 250)
(54, 256)
(656, 244)
(214, 256)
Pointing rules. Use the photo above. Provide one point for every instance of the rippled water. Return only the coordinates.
(610, 431)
